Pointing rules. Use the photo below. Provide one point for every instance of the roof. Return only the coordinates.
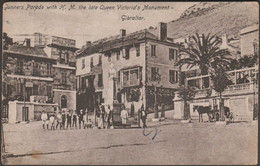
(34, 51)
(27, 51)
(62, 47)
(118, 41)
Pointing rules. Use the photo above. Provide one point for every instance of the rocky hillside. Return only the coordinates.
(215, 18)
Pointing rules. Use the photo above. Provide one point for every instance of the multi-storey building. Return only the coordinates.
(64, 83)
(242, 93)
(28, 82)
(133, 67)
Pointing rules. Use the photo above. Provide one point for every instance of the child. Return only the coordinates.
(58, 120)
(89, 124)
(52, 121)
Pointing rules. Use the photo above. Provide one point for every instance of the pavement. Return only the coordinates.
(164, 142)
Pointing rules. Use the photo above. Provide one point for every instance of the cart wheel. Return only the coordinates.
(217, 116)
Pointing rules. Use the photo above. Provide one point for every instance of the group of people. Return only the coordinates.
(142, 112)
(103, 116)
(61, 118)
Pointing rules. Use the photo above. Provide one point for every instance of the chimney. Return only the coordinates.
(224, 41)
(28, 42)
(88, 43)
(162, 31)
(122, 32)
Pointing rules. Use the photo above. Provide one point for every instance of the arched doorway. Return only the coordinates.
(63, 101)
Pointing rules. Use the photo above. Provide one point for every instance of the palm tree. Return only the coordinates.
(204, 52)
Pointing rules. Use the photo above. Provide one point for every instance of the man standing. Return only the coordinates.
(63, 119)
(69, 116)
(124, 116)
(132, 109)
(74, 118)
(44, 118)
(109, 118)
(81, 118)
(143, 116)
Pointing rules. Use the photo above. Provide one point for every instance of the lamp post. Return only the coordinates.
(23, 80)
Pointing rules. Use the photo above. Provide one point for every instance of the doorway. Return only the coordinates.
(63, 101)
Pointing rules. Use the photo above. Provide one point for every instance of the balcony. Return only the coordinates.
(241, 81)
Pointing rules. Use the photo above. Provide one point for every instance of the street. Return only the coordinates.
(173, 143)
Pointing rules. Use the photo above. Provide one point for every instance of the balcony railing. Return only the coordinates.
(239, 87)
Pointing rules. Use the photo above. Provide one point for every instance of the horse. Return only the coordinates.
(202, 110)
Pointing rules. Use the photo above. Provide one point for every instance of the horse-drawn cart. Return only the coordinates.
(215, 114)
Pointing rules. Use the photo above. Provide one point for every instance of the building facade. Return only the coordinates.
(134, 68)
(64, 71)
(27, 84)
(241, 94)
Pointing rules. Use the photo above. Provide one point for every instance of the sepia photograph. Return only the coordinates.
(130, 83)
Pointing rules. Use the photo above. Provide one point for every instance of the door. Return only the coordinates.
(63, 101)
(25, 114)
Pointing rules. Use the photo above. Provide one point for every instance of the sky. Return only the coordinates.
(85, 24)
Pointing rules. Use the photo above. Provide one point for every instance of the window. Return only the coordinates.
(35, 68)
(99, 60)
(19, 67)
(134, 77)
(9, 90)
(83, 82)
(48, 69)
(19, 87)
(83, 63)
(35, 89)
(138, 50)
(100, 80)
(118, 76)
(125, 78)
(154, 73)
(127, 53)
(91, 62)
(153, 50)
(64, 57)
(172, 54)
(118, 55)
(108, 56)
(173, 76)
(64, 78)
(49, 91)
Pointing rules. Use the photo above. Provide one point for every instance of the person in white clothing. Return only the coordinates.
(44, 118)
(124, 115)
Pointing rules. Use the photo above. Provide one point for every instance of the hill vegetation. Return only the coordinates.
(216, 18)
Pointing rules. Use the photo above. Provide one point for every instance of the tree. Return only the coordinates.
(6, 41)
(186, 93)
(220, 82)
(204, 52)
